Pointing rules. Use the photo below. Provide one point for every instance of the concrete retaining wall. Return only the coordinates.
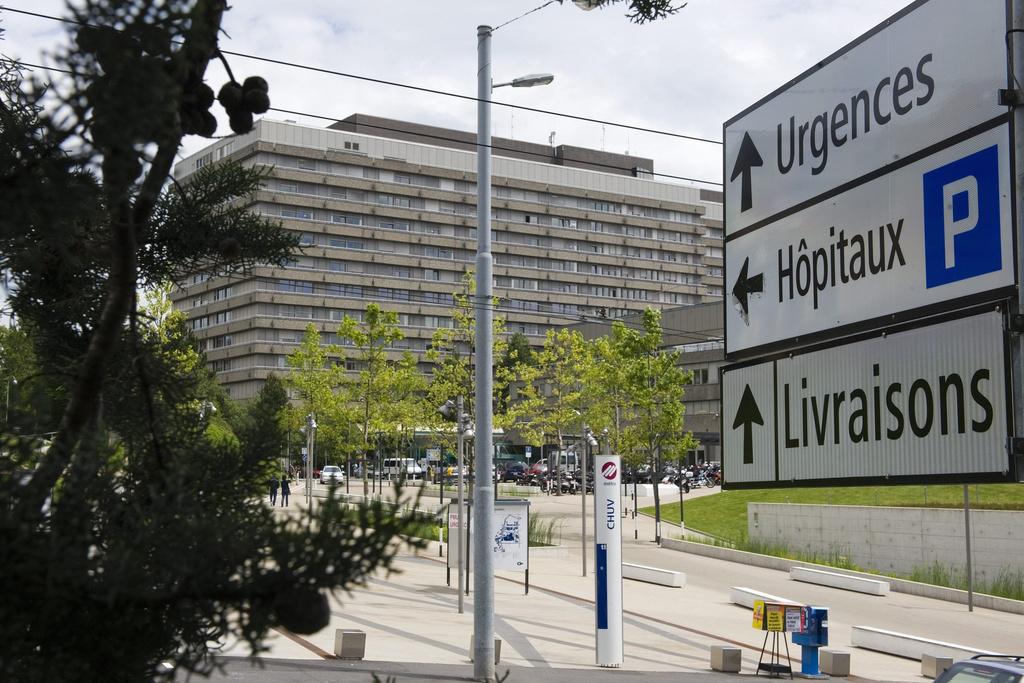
(925, 590)
(896, 540)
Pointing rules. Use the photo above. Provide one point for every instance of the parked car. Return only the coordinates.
(331, 473)
(538, 468)
(985, 669)
(514, 472)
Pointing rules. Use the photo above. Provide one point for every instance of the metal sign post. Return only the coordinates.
(608, 560)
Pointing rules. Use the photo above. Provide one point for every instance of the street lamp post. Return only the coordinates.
(483, 492)
(310, 444)
(463, 430)
(588, 442)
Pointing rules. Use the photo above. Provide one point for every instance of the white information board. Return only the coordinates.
(937, 231)
(510, 536)
(921, 77)
(919, 404)
(458, 538)
(608, 559)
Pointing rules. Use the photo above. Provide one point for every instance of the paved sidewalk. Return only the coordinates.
(412, 622)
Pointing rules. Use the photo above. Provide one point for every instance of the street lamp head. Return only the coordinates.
(530, 80)
(587, 5)
(527, 81)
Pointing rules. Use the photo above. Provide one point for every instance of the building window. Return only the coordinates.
(303, 214)
(296, 286)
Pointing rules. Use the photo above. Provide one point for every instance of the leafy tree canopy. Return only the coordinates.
(140, 535)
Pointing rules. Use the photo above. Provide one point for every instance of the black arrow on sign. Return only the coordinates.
(745, 286)
(747, 158)
(746, 416)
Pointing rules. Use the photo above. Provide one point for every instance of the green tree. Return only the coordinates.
(552, 399)
(371, 338)
(453, 350)
(656, 384)
(263, 431)
(611, 405)
(139, 536)
(406, 406)
(318, 380)
(640, 11)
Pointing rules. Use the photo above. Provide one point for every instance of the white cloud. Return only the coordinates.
(686, 74)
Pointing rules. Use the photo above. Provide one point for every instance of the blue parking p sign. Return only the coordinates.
(961, 219)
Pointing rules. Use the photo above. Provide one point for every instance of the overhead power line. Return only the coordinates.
(442, 138)
(418, 88)
(419, 297)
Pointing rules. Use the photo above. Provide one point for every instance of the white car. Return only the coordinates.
(331, 473)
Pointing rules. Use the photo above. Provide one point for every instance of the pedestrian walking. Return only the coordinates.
(273, 490)
(285, 490)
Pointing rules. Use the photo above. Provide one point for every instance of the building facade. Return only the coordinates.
(385, 212)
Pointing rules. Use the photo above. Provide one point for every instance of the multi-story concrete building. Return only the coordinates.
(386, 212)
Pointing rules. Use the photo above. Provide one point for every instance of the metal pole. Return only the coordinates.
(1017, 54)
(583, 496)
(483, 493)
(682, 524)
(967, 540)
(462, 527)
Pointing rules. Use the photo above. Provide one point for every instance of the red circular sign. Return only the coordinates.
(609, 470)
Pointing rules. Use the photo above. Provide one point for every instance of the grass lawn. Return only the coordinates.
(725, 514)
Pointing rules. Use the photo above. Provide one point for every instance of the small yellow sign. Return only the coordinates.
(759, 615)
(775, 617)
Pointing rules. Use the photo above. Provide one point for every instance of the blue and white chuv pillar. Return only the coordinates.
(608, 559)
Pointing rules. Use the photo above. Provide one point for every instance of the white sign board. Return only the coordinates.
(922, 404)
(934, 232)
(921, 77)
(458, 539)
(608, 559)
(510, 545)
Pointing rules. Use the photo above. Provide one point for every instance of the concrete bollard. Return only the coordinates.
(933, 665)
(497, 649)
(727, 659)
(349, 643)
(835, 662)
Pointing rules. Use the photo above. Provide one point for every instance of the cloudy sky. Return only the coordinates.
(685, 74)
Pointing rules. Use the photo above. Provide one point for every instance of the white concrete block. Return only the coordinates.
(932, 665)
(349, 643)
(744, 596)
(909, 646)
(836, 580)
(727, 659)
(834, 662)
(661, 577)
(497, 649)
